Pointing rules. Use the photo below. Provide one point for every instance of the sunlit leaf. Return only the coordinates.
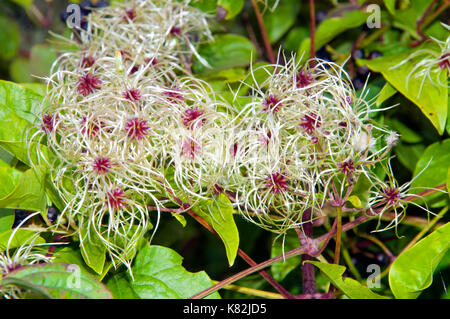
(412, 271)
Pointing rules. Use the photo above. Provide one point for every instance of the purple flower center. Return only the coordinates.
(277, 183)
(265, 138)
(174, 94)
(391, 195)
(347, 167)
(90, 128)
(175, 31)
(303, 79)
(310, 122)
(87, 61)
(137, 128)
(102, 165)
(116, 198)
(87, 84)
(190, 117)
(190, 148)
(47, 122)
(271, 103)
(132, 95)
(130, 14)
(444, 61)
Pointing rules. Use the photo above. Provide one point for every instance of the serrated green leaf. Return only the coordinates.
(233, 7)
(219, 214)
(60, 281)
(158, 274)
(412, 271)
(227, 51)
(350, 287)
(431, 99)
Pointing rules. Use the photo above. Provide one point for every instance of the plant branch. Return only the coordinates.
(308, 277)
(247, 258)
(312, 29)
(262, 28)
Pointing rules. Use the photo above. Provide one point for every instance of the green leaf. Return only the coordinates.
(279, 21)
(282, 268)
(332, 27)
(407, 19)
(412, 271)
(121, 288)
(23, 3)
(386, 92)
(6, 219)
(227, 51)
(355, 201)
(448, 181)
(60, 281)
(436, 172)
(9, 38)
(19, 70)
(406, 134)
(432, 99)
(92, 249)
(158, 274)
(28, 192)
(21, 236)
(219, 214)
(390, 5)
(42, 57)
(350, 287)
(408, 154)
(233, 7)
(23, 101)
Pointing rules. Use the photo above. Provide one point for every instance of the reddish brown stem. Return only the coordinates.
(312, 30)
(262, 29)
(247, 258)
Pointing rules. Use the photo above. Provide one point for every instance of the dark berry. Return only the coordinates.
(375, 54)
(52, 214)
(323, 54)
(363, 70)
(358, 83)
(358, 54)
(19, 216)
(63, 16)
(100, 4)
(320, 16)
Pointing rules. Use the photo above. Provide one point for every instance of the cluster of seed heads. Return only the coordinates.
(133, 132)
